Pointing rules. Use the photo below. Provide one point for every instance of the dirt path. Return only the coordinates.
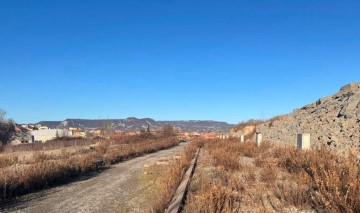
(116, 189)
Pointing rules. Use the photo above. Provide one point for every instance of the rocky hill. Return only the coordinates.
(333, 121)
(139, 124)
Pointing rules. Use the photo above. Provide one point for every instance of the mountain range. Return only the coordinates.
(133, 123)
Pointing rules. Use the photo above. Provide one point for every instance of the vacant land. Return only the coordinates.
(241, 177)
(125, 187)
(23, 171)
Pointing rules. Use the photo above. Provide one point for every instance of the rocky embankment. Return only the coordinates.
(333, 121)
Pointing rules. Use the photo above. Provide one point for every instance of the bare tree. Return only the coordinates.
(168, 131)
(7, 127)
(108, 127)
(2, 115)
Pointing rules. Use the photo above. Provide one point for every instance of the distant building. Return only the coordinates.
(44, 135)
(29, 127)
(43, 127)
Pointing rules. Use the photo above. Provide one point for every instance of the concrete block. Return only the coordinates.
(242, 138)
(258, 138)
(303, 141)
(178, 200)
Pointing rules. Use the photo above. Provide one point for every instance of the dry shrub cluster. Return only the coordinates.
(42, 169)
(268, 178)
(333, 181)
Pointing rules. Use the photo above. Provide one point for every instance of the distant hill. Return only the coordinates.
(50, 124)
(133, 123)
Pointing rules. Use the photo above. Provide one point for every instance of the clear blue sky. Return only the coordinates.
(171, 59)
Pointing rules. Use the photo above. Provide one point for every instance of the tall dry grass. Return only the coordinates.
(334, 181)
(174, 174)
(245, 177)
(42, 169)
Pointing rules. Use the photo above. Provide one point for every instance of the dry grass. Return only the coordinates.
(276, 118)
(244, 124)
(50, 145)
(246, 178)
(42, 169)
(334, 182)
(169, 183)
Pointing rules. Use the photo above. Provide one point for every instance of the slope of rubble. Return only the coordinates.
(333, 121)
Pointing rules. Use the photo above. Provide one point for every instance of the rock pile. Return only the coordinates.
(333, 121)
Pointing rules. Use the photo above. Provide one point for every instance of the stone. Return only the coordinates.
(353, 87)
(309, 106)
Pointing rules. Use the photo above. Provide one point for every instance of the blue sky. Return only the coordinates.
(173, 60)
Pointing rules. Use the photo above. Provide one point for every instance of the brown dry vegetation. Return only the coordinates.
(241, 177)
(20, 175)
(253, 122)
(59, 143)
(168, 184)
(244, 124)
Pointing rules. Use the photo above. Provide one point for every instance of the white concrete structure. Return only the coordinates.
(44, 135)
(242, 138)
(303, 141)
(43, 127)
(258, 139)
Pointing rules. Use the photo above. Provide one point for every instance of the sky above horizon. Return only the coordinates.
(173, 60)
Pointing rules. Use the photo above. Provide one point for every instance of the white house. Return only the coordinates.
(44, 135)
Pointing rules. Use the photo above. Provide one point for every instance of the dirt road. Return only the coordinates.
(116, 189)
